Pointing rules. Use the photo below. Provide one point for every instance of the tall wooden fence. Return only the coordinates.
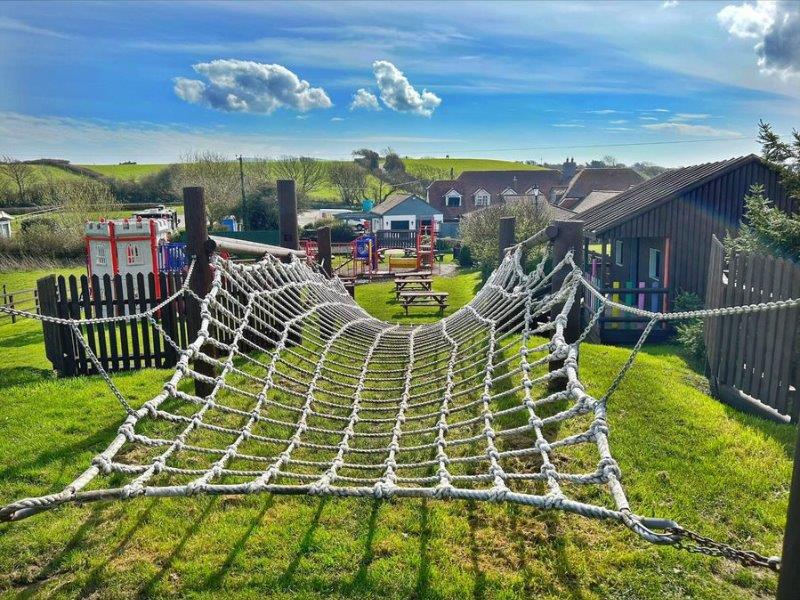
(120, 346)
(20, 299)
(754, 356)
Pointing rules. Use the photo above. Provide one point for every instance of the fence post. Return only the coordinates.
(789, 579)
(570, 237)
(324, 254)
(53, 340)
(507, 225)
(194, 208)
(287, 214)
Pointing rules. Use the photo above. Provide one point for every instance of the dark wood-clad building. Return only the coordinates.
(656, 236)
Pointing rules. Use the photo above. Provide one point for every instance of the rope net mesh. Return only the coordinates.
(312, 395)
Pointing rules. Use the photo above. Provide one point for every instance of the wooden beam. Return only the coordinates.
(324, 254)
(789, 581)
(287, 214)
(200, 247)
(507, 225)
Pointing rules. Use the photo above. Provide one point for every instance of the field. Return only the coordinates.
(467, 164)
(126, 172)
(43, 173)
(684, 456)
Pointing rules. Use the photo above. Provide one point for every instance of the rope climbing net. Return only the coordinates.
(302, 392)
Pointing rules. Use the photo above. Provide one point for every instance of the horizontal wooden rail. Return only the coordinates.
(633, 290)
(254, 248)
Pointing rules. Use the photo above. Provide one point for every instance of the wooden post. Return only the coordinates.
(789, 580)
(57, 338)
(570, 237)
(507, 237)
(324, 254)
(194, 208)
(287, 214)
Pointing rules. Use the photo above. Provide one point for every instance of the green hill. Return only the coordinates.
(466, 164)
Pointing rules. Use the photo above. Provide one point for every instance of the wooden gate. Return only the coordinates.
(121, 345)
(753, 356)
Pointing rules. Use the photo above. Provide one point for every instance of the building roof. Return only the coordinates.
(654, 192)
(5, 216)
(588, 180)
(495, 182)
(404, 204)
(594, 198)
(557, 213)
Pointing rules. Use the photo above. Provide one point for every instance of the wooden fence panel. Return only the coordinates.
(753, 356)
(119, 346)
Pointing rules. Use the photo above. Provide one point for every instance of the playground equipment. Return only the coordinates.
(426, 246)
(363, 259)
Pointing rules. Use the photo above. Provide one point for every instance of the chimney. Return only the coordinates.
(568, 170)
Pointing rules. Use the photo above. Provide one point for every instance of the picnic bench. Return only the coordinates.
(412, 274)
(408, 284)
(424, 299)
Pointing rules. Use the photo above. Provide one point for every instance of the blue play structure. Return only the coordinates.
(172, 257)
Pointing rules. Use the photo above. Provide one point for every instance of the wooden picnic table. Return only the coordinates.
(424, 299)
(412, 274)
(422, 284)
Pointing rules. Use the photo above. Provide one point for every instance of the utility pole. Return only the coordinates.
(244, 199)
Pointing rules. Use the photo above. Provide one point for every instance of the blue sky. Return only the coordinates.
(108, 82)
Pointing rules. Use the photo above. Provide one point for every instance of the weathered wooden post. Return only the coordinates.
(201, 248)
(324, 252)
(287, 214)
(507, 225)
(789, 580)
(570, 237)
(287, 226)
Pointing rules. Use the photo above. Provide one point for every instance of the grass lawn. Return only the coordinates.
(684, 456)
(43, 173)
(126, 172)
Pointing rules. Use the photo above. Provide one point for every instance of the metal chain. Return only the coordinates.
(709, 547)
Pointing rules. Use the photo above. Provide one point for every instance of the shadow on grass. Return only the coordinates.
(286, 578)
(27, 338)
(479, 590)
(147, 590)
(421, 590)
(24, 376)
(360, 583)
(216, 580)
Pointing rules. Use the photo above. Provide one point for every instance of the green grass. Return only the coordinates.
(127, 172)
(684, 456)
(43, 173)
(467, 164)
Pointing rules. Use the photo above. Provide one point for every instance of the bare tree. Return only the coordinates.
(309, 174)
(350, 181)
(611, 161)
(21, 174)
(217, 174)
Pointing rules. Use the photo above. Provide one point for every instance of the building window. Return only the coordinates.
(400, 225)
(654, 268)
(453, 201)
(101, 256)
(618, 253)
(482, 199)
(134, 256)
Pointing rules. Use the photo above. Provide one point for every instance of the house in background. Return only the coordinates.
(594, 198)
(403, 212)
(656, 236)
(588, 180)
(5, 224)
(473, 190)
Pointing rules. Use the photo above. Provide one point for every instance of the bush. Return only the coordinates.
(690, 333)
(465, 257)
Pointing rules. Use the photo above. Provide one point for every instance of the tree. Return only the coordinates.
(480, 231)
(21, 174)
(392, 163)
(218, 175)
(309, 174)
(782, 155)
(350, 181)
(369, 159)
(611, 161)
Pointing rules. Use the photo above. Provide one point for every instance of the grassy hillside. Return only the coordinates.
(126, 172)
(43, 173)
(467, 164)
(683, 454)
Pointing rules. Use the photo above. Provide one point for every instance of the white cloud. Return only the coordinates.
(336, 119)
(689, 116)
(618, 129)
(364, 99)
(247, 86)
(669, 4)
(688, 129)
(605, 111)
(398, 94)
(618, 121)
(8, 24)
(648, 119)
(776, 28)
(567, 125)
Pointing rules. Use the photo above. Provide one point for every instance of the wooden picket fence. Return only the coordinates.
(27, 300)
(119, 346)
(754, 356)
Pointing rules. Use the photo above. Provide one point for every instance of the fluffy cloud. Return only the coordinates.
(364, 99)
(247, 86)
(669, 4)
(776, 28)
(689, 129)
(398, 94)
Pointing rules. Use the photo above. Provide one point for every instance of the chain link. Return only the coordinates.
(709, 547)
